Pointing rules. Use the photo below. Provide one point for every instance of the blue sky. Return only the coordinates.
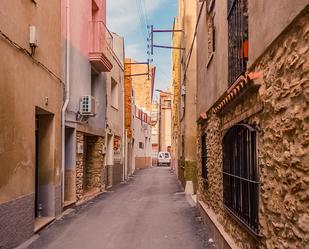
(125, 17)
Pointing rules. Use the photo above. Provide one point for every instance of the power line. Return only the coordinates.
(142, 20)
(194, 37)
(26, 52)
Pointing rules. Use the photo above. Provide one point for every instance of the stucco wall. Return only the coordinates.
(262, 13)
(114, 115)
(212, 74)
(80, 67)
(165, 122)
(24, 86)
(189, 127)
(144, 136)
(18, 101)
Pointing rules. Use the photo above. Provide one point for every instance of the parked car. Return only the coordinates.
(164, 158)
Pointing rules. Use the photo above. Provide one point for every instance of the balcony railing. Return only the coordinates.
(100, 46)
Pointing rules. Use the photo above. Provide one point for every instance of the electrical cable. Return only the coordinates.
(194, 37)
(141, 17)
(26, 52)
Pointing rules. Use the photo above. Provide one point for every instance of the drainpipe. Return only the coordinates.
(124, 136)
(67, 92)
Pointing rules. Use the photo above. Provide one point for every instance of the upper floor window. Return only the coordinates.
(167, 104)
(237, 38)
(211, 31)
(241, 175)
(114, 93)
(141, 145)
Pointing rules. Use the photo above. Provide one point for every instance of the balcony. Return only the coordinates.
(100, 47)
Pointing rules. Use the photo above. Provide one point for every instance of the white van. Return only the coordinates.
(164, 158)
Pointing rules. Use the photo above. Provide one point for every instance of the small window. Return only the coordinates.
(141, 145)
(204, 156)
(114, 93)
(238, 41)
(167, 104)
(211, 42)
(241, 176)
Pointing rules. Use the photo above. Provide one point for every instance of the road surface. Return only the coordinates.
(148, 212)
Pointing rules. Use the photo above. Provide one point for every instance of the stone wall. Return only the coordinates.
(279, 111)
(94, 162)
(284, 139)
(79, 167)
(91, 162)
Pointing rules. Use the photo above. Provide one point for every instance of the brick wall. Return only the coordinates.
(128, 99)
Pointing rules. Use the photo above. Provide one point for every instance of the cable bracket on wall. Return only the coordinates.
(150, 40)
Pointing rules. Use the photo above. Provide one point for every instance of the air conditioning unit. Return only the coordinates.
(87, 105)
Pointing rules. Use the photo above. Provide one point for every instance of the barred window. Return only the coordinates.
(241, 176)
(204, 156)
(237, 38)
(211, 43)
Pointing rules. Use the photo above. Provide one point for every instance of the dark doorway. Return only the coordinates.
(44, 203)
(36, 202)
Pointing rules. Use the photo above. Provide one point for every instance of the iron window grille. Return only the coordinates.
(204, 156)
(241, 176)
(211, 43)
(237, 38)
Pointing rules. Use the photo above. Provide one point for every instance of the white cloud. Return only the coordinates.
(123, 15)
(135, 51)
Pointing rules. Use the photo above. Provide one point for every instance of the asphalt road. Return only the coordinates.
(148, 212)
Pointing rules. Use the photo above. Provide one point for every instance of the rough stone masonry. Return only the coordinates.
(283, 145)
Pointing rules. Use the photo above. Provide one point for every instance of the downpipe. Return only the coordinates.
(67, 96)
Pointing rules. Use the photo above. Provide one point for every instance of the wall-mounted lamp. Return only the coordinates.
(33, 39)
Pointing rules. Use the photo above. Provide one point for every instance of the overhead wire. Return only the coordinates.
(187, 61)
(27, 53)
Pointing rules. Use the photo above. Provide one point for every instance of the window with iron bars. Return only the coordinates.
(241, 176)
(237, 38)
(211, 41)
(204, 156)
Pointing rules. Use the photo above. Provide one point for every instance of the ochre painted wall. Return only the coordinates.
(25, 86)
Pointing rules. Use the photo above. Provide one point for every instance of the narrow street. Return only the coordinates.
(150, 212)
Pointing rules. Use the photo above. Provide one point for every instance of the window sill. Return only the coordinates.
(210, 59)
(254, 234)
(114, 107)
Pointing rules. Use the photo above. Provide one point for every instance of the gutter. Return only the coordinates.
(67, 94)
